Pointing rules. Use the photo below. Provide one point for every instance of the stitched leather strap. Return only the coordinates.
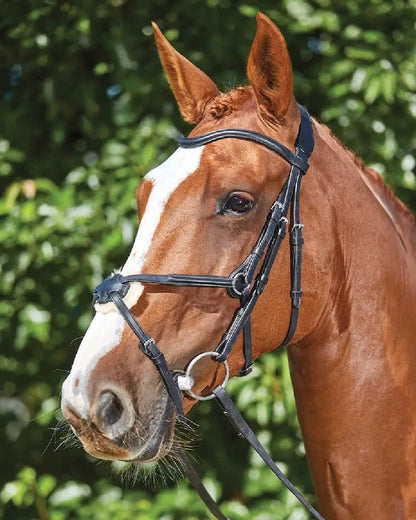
(148, 347)
(296, 245)
(189, 280)
(243, 429)
(199, 487)
(249, 135)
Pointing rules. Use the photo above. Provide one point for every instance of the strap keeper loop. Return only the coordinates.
(245, 371)
(276, 211)
(150, 349)
(282, 227)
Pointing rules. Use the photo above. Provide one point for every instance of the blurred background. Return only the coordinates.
(85, 112)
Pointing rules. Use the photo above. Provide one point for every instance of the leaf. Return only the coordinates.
(71, 492)
(388, 85)
(248, 10)
(11, 195)
(358, 79)
(373, 90)
(360, 53)
(46, 484)
(27, 475)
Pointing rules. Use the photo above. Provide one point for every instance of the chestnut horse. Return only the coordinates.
(353, 353)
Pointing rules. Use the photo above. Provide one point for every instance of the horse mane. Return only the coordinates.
(375, 178)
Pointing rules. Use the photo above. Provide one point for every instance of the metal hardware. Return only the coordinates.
(187, 378)
(298, 226)
(185, 383)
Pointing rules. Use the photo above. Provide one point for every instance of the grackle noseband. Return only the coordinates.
(246, 283)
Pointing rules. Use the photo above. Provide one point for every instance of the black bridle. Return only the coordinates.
(246, 283)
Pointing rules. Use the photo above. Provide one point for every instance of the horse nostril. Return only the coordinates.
(110, 408)
(112, 411)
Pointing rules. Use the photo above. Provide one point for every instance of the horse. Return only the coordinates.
(352, 354)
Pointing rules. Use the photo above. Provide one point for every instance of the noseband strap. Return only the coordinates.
(246, 283)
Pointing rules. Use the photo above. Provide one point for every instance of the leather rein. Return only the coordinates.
(246, 283)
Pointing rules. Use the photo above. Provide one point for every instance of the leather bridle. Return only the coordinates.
(246, 283)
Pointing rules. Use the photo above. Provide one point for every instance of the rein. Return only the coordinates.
(243, 283)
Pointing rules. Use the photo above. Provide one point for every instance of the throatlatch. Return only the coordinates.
(246, 283)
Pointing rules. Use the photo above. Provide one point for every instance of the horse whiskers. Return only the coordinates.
(62, 436)
(129, 473)
(45, 414)
(51, 439)
(140, 429)
(186, 423)
(185, 438)
(169, 471)
(170, 468)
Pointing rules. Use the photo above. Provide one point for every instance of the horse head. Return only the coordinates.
(201, 211)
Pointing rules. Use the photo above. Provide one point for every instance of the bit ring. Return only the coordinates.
(187, 378)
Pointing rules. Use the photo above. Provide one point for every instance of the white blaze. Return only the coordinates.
(105, 330)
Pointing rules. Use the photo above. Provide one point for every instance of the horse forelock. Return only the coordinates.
(227, 102)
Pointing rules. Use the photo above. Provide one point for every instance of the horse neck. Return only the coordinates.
(353, 373)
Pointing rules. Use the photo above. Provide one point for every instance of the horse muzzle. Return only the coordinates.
(114, 431)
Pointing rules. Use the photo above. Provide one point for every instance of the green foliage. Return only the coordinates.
(85, 112)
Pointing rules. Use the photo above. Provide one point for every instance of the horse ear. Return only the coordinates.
(269, 70)
(191, 87)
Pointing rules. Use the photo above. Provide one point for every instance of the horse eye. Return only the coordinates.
(237, 204)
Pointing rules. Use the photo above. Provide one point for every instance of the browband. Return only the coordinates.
(304, 142)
